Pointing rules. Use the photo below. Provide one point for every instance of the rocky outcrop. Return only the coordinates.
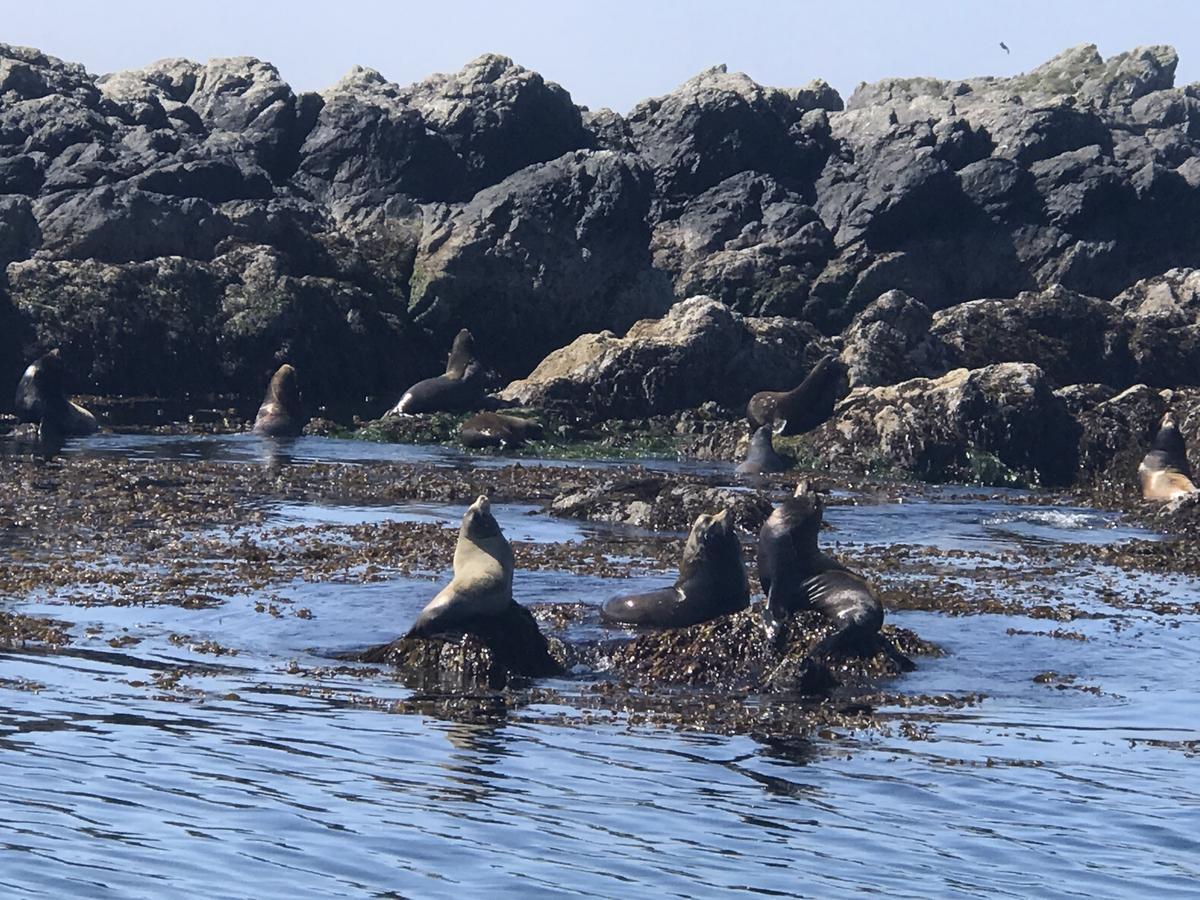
(394, 215)
(889, 341)
(700, 350)
(955, 426)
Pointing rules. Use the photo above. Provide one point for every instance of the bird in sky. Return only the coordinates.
(1004, 47)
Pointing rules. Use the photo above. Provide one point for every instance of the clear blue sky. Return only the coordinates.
(610, 53)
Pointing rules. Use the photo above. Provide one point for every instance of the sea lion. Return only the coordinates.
(712, 581)
(1164, 472)
(803, 408)
(489, 429)
(483, 572)
(41, 399)
(460, 388)
(761, 456)
(796, 575)
(281, 414)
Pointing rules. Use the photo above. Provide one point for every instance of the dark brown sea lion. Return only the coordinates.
(41, 399)
(712, 581)
(483, 572)
(761, 456)
(796, 575)
(490, 429)
(460, 388)
(802, 408)
(1164, 472)
(281, 414)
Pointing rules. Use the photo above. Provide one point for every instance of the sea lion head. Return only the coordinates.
(478, 522)
(41, 385)
(285, 387)
(1169, 438)
(462, 354)
(800, 516)
(710, 537)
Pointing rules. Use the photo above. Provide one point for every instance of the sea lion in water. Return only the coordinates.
(461, 387)
(761, 456)
(712, 581)
(796, 575)
(42, 400)
(803, 408)
(489, 429)
(280, 414)
(483, 573)
(1164, 472)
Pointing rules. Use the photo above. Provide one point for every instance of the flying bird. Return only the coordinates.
(1004, 47)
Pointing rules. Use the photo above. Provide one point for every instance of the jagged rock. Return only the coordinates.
(1072, 338)
(563, 245)
(497, 117)
(748, 242)
(889, 341)
(700, 350)
(1165, 316)
(721, 123)
(1115, 432)
(948, 426)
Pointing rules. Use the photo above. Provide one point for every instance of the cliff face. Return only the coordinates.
(186, 227)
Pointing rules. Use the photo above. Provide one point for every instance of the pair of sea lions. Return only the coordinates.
(1164, 472)
(461, 387)
(281, 414)
(41, 399)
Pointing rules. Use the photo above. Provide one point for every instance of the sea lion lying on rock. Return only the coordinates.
(460, 388)
(42, 400)
(478, 604)
(796, 576)
(1164, 472)
(490, 429)
(712, 581)
(761, 456)
(803, 408)
(281, 414)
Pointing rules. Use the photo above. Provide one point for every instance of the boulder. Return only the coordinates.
(700, 350)
(1072, 338)
(553, 251)
(1164, 315)
(958, 426)
(889, 341)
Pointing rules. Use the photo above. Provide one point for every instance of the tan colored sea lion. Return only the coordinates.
(804, 407)
(483, 571)
(41, 399)
(490, 429)
(281, 414)
(1164, 472)
(712, 581)
(796, 575)
(460, 388)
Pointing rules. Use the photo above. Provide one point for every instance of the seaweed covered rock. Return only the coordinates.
(739, 653)
(700, 350)
(889, 341)
(659, 501)
(488, 653)
(949, 427)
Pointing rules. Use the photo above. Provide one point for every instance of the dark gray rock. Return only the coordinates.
(889, 341)
(1164, 314)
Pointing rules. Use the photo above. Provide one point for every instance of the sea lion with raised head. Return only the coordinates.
(461, 387)
(761, 456)
(42, 400)
(712, 581)
(281, 414)
(1164, 472)
(490, 429)
(483, 572)
(796, 575)
(804, 407)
